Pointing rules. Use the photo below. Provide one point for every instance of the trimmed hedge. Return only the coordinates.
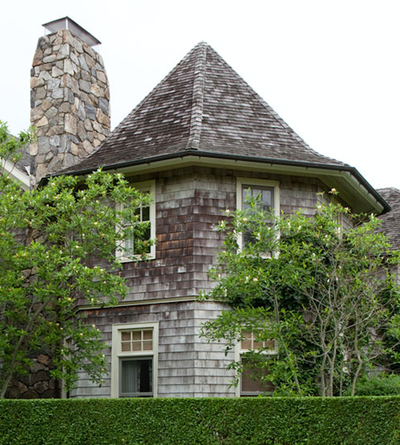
(255, 421)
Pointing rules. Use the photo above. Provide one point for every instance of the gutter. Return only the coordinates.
(206, 154)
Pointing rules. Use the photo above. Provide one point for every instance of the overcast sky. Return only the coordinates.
(330, 69)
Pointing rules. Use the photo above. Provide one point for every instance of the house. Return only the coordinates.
(197, 143)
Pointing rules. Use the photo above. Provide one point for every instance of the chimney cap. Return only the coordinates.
(77, 30)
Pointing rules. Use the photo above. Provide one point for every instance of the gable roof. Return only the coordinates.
(202, 105)
(391, 220)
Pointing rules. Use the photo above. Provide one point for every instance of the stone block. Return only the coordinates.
(82, 62)
(65, 143)
(96, 90)
(54, 165)
(33, 149)
(71, 124)
(41, 170)
(57, 93)
(56, 72)
(42, 122)
(46, 104)
(69, 160)
(44, 145)
(104, 105)
(54, 142)
(40, 93)
(36, 367)
(74, 149)
(58, 129)
(53, 84)
(85, 76)
(51, 112)
(89, 136)
(88, 125)
(38, 57)
(84, 86)
(68, 67)
(87, 146)
(81, 112)
(36, 113)
(49, 59)
(90, 112)
(36, 82)
(81, 131)
(63, 52)
(65, 107)
(101, 76)
(74, 59)
(103, 118)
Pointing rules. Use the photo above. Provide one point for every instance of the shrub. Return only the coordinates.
(379, 385)
(251, 421)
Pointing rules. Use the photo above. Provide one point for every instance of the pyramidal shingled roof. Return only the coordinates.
(204, 106)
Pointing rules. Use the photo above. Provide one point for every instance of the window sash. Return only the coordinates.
(136, 377)
(128, 362)
(147, 215)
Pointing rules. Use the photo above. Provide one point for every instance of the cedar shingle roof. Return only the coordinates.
(391, 220)
(202, 105)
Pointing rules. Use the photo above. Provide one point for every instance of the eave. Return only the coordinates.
(351, 185)
(16, 174)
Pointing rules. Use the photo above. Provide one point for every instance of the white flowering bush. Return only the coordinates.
(50, 241)
(327, 295)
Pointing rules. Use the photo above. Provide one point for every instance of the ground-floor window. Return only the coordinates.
(253, 380)
(134, 360)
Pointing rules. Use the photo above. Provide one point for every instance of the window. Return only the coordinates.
(268, 193)
(145, 214)
(134, 360)
(250, 383)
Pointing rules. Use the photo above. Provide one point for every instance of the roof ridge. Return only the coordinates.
(198, 97)
(121, 125)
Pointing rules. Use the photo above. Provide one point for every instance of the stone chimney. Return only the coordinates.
(69, 97)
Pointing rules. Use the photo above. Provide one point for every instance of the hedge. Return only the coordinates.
(205, 421)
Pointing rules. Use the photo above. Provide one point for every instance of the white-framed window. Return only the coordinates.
(269, 199)
(145, 214)
(134, 360)
(250, 383)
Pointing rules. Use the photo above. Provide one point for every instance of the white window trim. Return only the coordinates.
(116, 353)
(144, 187)
(239, 352)
(256, 182)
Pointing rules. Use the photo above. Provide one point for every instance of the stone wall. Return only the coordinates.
(69, 102)
(37, 384)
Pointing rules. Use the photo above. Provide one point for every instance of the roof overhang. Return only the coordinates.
(353, 188)
(16, 174)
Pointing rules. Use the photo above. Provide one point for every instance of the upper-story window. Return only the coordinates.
(267, 194)
(134, 360)
(146, 214)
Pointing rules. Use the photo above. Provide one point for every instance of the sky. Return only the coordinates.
(330, 69)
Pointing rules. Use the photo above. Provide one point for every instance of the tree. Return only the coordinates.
(50, 240)
(322, 287)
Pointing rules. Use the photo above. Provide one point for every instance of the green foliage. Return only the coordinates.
(378, 385)
(50, 239)
(321, 286)
(252, 421)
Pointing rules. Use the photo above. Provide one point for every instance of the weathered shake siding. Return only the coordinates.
(189, 204)
(187, 365)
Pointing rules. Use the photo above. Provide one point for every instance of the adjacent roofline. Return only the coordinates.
(352, 171)
(16, 174)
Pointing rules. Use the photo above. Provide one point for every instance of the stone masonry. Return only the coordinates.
(69, 102)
